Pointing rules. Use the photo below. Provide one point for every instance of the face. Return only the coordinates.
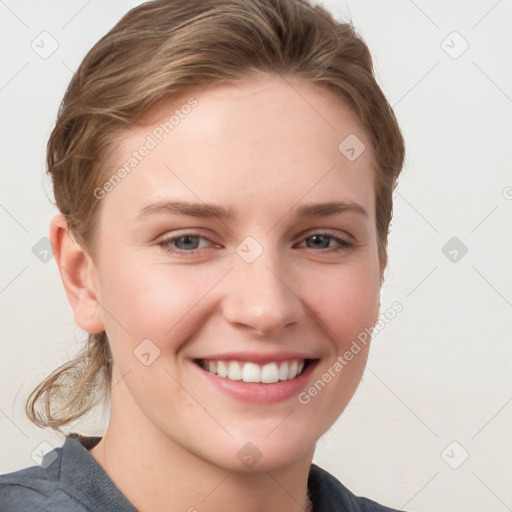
(238, 263)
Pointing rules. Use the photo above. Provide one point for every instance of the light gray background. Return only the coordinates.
(440, 372)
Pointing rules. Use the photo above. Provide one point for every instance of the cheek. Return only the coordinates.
(346, 300)
(158, 302)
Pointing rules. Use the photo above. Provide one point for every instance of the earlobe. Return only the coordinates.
(77, 271)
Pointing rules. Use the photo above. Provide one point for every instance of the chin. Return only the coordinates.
(254, 453)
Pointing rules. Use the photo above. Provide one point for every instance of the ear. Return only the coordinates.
(78, 276)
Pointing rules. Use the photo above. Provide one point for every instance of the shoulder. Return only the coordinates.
(42, 488)
(22, 493)
(329, 494)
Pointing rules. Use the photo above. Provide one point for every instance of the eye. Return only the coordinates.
(323, 241)
(186, 243)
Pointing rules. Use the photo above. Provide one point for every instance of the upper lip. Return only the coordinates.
(257, 357)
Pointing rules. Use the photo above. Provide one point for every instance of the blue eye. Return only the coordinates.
(188, 244)
(322, 241)
(183, 244)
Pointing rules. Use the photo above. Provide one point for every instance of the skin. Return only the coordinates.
(262, 147)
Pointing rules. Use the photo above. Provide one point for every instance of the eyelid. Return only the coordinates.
(178, 233)
(335, 233)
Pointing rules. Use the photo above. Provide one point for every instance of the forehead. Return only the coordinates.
(247, 143)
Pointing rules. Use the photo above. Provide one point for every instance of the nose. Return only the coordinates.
(261, 297)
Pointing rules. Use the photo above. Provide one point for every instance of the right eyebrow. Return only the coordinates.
(201, 210)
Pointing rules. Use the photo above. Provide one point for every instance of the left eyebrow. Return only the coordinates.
(331, 208)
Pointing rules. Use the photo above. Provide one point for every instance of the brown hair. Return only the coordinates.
(166, 47)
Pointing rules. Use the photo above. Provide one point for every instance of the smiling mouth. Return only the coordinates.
(244, 371)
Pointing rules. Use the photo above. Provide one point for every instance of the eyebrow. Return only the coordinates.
(331, 208)
(201, 210)
(205, 210)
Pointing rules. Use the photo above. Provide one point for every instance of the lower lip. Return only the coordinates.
(256, 392)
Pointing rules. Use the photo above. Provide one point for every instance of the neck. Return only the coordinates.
(164, 476)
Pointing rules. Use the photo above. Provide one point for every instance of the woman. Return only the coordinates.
(224, 172)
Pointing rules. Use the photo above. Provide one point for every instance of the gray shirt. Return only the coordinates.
(70, 480)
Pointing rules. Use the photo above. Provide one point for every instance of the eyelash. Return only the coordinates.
(343, 245)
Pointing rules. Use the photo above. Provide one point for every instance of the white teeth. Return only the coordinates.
(251, 372)
(222, 369)
(234, 371)
(283, 371)
(269, 373)
(292, 370)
